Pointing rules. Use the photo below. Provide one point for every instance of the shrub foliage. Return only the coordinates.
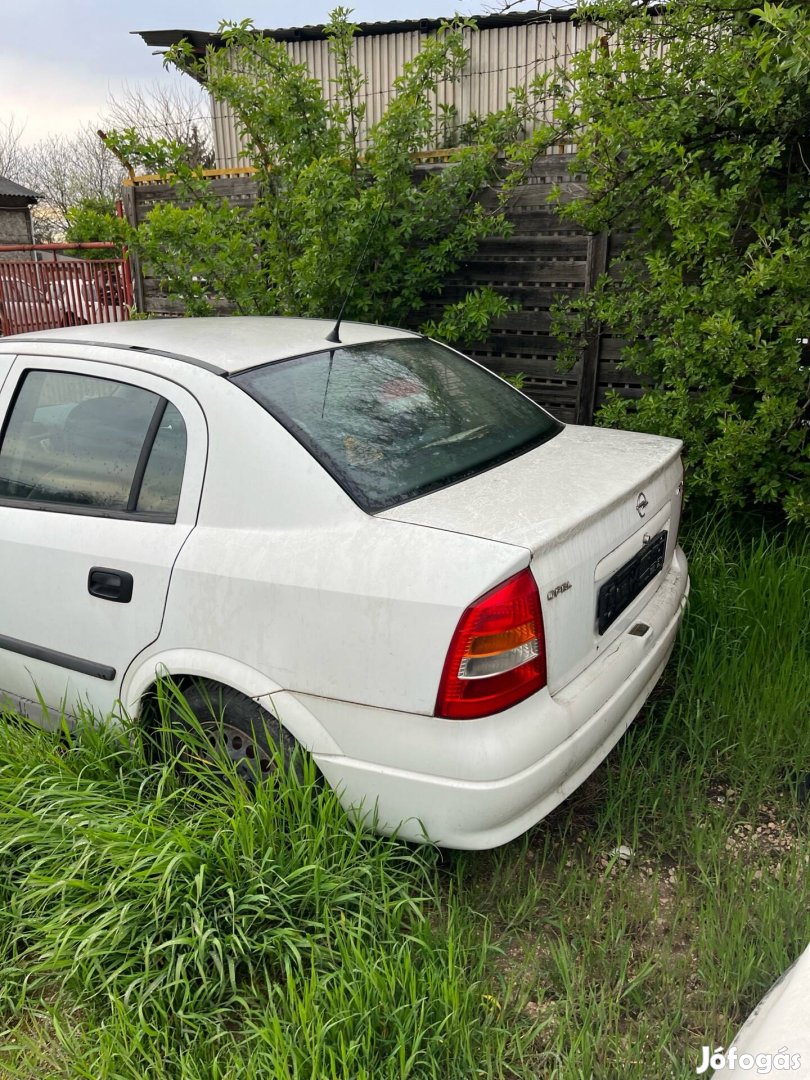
(692, 127)
(328, 202)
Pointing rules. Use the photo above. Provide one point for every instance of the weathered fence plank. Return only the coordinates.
(130, 205)
(598, 248)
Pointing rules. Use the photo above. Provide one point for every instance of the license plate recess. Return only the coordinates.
(620, 590)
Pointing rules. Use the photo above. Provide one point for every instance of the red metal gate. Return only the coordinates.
(50, 289)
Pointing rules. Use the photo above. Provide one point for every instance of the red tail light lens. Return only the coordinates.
(497, 656)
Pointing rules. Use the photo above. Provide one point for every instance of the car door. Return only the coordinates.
(101, 470)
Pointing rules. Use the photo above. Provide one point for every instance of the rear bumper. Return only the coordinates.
(479, 784)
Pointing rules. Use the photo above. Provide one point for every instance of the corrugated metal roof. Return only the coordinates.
(16, 191)
(163, 39)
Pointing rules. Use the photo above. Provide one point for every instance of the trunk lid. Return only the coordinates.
(583, 504)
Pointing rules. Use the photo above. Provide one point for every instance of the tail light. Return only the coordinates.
(497, 656)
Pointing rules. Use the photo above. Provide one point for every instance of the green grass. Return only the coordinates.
(153, 927)
(191, 929)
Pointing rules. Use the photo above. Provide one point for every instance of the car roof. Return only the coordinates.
(230, 343)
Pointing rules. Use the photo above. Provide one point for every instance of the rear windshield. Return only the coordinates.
(396, 419)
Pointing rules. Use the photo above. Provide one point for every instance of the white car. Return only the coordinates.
(89, 291)
(25, 304)
(393, 558)
(775, 1039)
(70, 292)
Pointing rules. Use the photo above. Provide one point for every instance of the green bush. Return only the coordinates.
(92, 220)
(329, 207)
(692, 130)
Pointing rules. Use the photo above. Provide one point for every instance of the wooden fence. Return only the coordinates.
(238, 186)
(544, 257)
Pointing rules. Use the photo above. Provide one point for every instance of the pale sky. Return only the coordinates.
(61, 59)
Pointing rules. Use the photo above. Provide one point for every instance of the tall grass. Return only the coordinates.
(159, 919)
(206, 927)
(633, 962)
(733, 710)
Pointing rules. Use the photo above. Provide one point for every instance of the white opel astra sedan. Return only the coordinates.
(375, 547)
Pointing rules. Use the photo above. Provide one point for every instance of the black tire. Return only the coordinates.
(239, 729)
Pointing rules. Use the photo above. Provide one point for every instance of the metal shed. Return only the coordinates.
(506, 51)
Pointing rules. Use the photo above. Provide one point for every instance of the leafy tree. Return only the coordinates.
(693, 132)
(95, 220)
(335, 193)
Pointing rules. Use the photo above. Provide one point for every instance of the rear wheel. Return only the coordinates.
(237, 729)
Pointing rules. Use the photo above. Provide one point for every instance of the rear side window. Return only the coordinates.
(81, 443)
(160, 488)
(396, 419)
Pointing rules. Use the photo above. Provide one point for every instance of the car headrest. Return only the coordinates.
(113, 422)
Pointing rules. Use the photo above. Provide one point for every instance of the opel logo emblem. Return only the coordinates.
(641, 504)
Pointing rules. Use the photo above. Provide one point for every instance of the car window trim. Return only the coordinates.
(195, 361)
(328, 346)
(146, 453)
(332, 346)
(43, 505)
(87, 511)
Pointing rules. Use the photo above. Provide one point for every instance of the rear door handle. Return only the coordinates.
(107, 584)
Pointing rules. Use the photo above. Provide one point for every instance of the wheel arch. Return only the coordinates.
(185, 664)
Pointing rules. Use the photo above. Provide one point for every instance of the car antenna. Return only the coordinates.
(334, 333)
